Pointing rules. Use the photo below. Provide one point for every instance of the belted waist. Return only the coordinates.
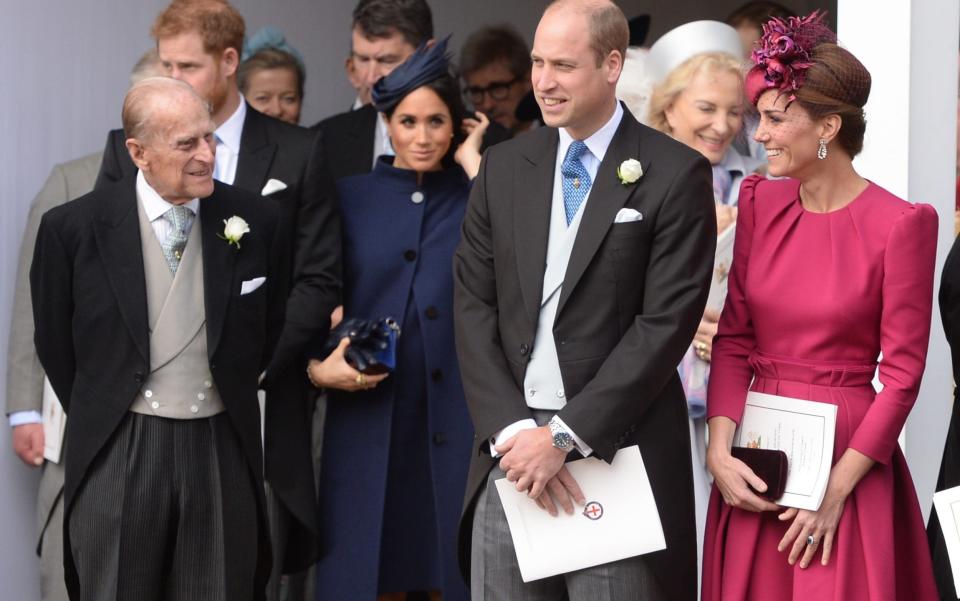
(817, 373)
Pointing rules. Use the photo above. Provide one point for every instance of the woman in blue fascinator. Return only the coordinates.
(396, 445)
(271, 75)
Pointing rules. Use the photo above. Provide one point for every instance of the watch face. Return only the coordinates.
(562, 440)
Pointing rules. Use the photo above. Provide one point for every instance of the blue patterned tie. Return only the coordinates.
(576, 180)
(178, 216)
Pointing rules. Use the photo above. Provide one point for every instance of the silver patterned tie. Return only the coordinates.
(178, 217)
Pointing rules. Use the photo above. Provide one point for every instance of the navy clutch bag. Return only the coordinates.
(373, 344)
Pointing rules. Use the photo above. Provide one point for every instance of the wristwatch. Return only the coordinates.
(561, 438)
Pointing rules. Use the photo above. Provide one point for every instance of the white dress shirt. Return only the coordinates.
(535, 396)
(228, 145)
(381, 140)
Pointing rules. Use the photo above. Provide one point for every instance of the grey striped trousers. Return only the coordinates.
(148, 523)
(495, 574)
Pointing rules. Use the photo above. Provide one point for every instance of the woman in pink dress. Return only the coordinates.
(829, 271)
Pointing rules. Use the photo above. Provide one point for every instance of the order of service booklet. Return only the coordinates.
(721, 269)
(947, 504)
(804, 430)
(697, 379)
(54, 423)
(619, 519)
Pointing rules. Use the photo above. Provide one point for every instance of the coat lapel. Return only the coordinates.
(256, 154)
(219, 260)
(531, 223)
(607, 197)
(117, 231)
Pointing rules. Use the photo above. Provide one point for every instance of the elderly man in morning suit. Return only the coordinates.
(199, 42)
(578, 287)
(156, 307)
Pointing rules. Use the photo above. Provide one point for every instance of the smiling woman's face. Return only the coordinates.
(421, 131)
(708, 113)
(788, 133)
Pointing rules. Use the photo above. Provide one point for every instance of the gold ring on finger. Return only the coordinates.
(700, 346)
(362, 380)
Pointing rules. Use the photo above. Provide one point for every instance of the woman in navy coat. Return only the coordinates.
(396, 448)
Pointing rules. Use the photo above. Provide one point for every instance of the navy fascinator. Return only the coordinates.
(423, 66)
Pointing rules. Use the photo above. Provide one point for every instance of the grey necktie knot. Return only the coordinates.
(178, 216)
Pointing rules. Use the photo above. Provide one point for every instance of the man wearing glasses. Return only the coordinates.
(495, 66)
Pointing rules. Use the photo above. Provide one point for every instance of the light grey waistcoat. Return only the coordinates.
(543, 382)
(180, 385)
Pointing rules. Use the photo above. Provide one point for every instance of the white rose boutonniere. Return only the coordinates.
(629, 171)
(234, 229)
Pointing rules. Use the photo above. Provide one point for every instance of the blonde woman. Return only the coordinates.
(698, 99)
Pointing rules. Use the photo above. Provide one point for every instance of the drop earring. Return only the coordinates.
(822, 150)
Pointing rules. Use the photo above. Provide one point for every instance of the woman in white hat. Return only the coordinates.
(698, 98)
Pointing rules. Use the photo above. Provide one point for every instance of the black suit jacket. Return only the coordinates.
(348, 141)
(949, 476)
(92, 337)
(309, 243)
(632, 297)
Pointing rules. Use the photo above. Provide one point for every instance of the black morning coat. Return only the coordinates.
(92, 334)
(632, 298)
(309, 250)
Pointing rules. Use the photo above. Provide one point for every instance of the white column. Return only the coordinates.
(910, 48)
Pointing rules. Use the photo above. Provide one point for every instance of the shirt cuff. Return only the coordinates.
(583, 447)
(20, 418)
(505, 434)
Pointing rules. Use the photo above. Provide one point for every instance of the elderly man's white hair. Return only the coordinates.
(146, 96)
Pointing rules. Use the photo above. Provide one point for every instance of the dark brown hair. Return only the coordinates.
(412, 19)
(837, 84)
(758, 13)
(492, 44)
(218, 23)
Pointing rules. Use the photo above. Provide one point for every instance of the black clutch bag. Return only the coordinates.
(373, 344)
(770, 465)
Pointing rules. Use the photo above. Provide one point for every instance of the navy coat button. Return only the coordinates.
(524, 349)
(436, 375)
(432, 312)
(410, 255)
(439, 438)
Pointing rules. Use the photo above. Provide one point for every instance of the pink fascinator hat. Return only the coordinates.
(783, 54)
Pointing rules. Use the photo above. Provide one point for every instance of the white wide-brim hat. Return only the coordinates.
(681, 43)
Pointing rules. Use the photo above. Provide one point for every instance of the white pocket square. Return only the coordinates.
(248, 286)
(272, 185)
(628, 215)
